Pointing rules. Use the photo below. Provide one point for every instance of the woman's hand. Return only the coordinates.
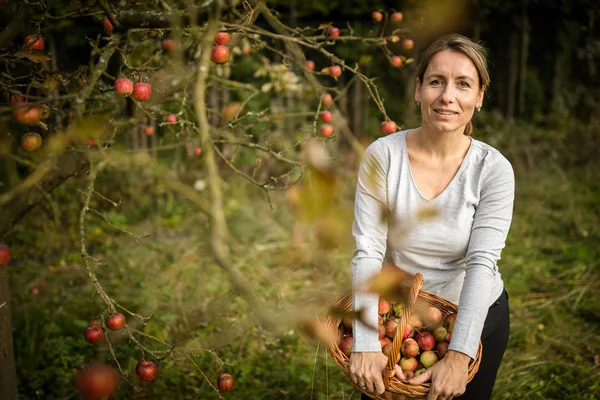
(448, 377)
(366, 370)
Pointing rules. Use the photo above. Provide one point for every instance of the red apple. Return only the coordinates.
(408, 332)
(384, 306)
(326, 116)
(333, 32)
(381, 331)
(346, 345)
(449, 322)
(326, 130)
(327, 100)
(376, 16)
(335, 71)
(428, 358)
(16, 98)
(34, 42)
(408, 44)
(168, 44)
(432, 317)
(441, 348)
(387, 127)
(222, 38)
(146, 370)
(220, 54)
(26, 114)
(396, 17)
(115, 321)
(410, 347)
(247, 50)
(149, 130)
(35, 291)
(225, 382)
(97, 381)
(384, 340)
(93, 334)
(310, 65)
(142, 91)
(171, 118)
(31, 141)
(379, 319)
(449, 337)
(197, 151)
(123, 87)
(396, 61)
(391, 326)
(425, 340)
(108, 26)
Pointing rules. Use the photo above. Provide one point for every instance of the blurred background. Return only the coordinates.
(150, 222)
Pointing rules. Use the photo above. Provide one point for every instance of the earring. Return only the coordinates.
(418, 104)
(478, 109)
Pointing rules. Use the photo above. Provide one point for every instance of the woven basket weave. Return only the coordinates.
(395, 389)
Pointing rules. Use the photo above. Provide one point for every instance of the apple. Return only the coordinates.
(230, 111)
(428, 358)
(408, 44)
(220, 54)
(396, 61)
(34, 42)
(115, 322)
(387, 349)
(149, 130)
(408, 364)
(93, 334)
(425, 340)
(5, 254)
(432, 317)
(384, 306)
(415, 321)
(410, 347)
(35, 291)
(387, 127)
(146, 370)
(31, 141)
(326, 130)
(441, 349)
(449, 322)
(108, 26)
(97, 381)
(26, 114)
(376, 16)
(382, 331)
(16, 98)
(396, 17)
(346, 345)
(141, 91)
(384, 341)
(440, 334)
(222, 38)
(326, 116)
(333, 32)
(197, 151)
(247, 50)
(168, 44)
(327, 100)
(310, 65)
(335, 71)
(171, 118)
(391, 326)
(225, 382)
(408, 332)
(123, 87)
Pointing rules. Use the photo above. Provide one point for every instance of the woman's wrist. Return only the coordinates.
(458, 357)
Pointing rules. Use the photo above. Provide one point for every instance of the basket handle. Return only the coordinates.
(415, 288)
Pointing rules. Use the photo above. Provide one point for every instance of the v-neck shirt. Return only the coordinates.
(456, 251)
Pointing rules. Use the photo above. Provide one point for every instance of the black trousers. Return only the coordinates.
(494, 339)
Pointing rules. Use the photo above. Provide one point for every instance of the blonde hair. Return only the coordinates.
(462, 44)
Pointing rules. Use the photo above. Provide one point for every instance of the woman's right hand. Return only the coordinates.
(366, 370)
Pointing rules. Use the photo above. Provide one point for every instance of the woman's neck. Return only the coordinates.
(439, 145)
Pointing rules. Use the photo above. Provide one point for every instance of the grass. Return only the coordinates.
(550, 266)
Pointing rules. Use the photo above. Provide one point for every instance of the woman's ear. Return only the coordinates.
(480, 97)
(418, 91)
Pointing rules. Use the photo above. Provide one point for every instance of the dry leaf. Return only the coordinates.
(36, 56)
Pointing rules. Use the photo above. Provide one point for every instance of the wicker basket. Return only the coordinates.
(395, 388)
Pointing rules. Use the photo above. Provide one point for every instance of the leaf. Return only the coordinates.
(36, 56)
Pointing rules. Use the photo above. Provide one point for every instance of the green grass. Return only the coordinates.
(550, 266)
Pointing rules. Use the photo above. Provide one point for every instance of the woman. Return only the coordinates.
(472, 186)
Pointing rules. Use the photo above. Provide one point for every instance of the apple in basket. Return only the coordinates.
(409, 364)
(346, 345)
(410, 348)
(428, 358)
(425, 340)
(441, 349)
(390, 327)
(449, 322)
(432, 317)
(384, 306)
(382, 331)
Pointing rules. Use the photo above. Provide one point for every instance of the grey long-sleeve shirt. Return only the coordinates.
(456, 252)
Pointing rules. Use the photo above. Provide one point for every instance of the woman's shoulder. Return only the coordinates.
(389, 143)
(488, 154)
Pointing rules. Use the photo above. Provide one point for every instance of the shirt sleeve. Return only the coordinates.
(493, 216)
(369, 229)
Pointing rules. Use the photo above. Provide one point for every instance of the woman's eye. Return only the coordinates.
(463, 84)
(435, 82)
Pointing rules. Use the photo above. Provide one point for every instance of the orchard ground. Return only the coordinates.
(550, 266)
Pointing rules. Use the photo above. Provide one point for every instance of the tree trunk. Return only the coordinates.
(513, 68)
(8, 371)
(524, 56)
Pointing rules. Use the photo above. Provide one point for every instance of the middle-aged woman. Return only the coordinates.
(471, 184)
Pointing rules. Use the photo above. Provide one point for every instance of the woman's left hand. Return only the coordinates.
(448, 376)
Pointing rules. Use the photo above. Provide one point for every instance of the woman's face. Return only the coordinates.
(449, 93)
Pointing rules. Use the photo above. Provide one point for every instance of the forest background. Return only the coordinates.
(220, 235)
